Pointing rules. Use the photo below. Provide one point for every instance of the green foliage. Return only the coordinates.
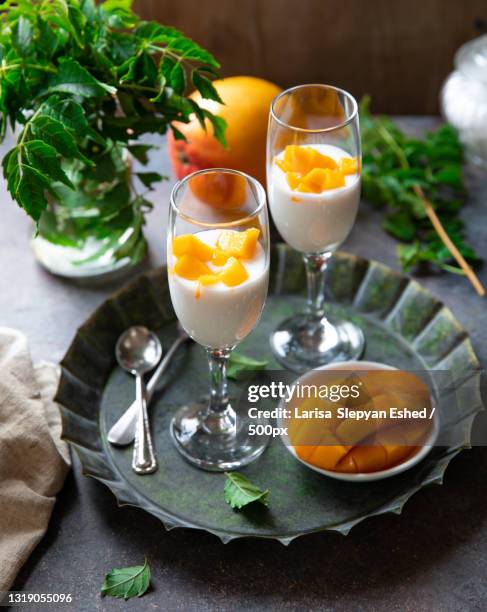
(238, 364)
(84, 80)
(393, 164)
(240, 492)
(127, 582)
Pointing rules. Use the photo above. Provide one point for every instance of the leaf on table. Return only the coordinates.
(127, 582)
(239, 363)
(240, 492)
(401, 173)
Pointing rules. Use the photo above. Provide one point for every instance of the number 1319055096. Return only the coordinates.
(19, 598)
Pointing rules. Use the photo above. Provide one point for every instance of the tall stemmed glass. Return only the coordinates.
(313, 179)
(218, 300)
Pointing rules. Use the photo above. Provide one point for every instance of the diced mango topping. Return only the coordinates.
(189, 244)
(190, 267)
(320, 179)
(231, 247)
(348, 165)
(219, 257)
(303, 159)
(238, 244)
(234, 273)
(309, 171)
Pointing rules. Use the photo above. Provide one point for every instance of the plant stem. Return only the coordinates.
(433, 217)
(445, 238)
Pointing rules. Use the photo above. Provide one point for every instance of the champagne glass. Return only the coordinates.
(218, 299)
(313, 178)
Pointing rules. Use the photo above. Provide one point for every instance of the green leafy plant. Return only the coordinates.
(82, 82)
(240, 492)
(127, 582)
(419, 184)
(238, 364)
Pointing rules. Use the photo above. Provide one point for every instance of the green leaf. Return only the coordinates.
(450, 175)
(127, 582)
(22, 35)
(43, 158)
(205, 86)
(31, 191)
(400, 225)
(54, 133)
(71, 115)
(189, 50)
(47, 40)
(72, 78)
(148, 178)
(177, 78)
(239, 363)
(240, 492)
(219, 127)
(11, 170)
(78, 21)
(139, 151)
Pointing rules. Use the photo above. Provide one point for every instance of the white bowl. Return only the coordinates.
(364, 476)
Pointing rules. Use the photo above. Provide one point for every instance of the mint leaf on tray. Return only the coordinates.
(239, 363)
(127, 582)
(240, 492)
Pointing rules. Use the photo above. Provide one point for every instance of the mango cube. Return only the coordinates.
(238, 244)
(190, 267)
(189, 244)
(293, 179)
(219, 258)
(234, 273)
(209, 279)
(348, 165)
(320, 179)
(303, 159)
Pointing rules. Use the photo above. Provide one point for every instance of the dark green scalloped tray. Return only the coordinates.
(404, 325)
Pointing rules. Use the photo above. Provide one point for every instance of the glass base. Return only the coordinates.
(302, 343)
(216, 442)
(64, 261)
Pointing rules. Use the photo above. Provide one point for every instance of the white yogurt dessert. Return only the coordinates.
(313, 222)
(215, 313)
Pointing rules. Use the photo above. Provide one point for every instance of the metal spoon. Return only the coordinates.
(138, 350)
(123, 431)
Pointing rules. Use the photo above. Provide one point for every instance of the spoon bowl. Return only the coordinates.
(138, 350)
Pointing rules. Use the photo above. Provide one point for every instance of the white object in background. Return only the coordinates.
(464, 98)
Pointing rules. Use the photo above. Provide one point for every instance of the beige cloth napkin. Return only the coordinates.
(33, 459)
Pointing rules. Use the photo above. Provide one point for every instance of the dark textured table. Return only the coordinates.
(433, 557)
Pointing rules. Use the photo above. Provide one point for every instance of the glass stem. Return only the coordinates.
(316, 265)
(218, 360)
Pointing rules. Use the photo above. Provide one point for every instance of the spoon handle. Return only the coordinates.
(144, 459)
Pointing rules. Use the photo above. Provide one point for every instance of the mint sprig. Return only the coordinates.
(403, 176)
(238, 364)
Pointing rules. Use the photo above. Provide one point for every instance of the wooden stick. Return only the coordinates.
(433, 217)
